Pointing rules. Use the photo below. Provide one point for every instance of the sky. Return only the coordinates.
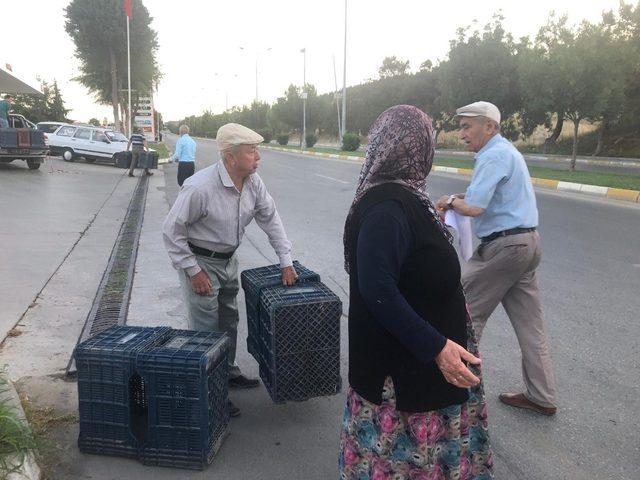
(204, 66)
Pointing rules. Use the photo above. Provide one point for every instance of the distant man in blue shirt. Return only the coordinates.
(185, 155)
(502, 203)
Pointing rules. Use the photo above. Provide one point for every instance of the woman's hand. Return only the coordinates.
(450, 363)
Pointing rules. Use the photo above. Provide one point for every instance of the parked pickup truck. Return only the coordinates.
(22, 141)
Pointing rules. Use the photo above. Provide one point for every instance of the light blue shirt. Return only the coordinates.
(501, 185)
(185, 149)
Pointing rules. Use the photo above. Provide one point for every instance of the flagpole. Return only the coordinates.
(129, 75)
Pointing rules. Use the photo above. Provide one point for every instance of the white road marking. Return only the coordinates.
(331, 178)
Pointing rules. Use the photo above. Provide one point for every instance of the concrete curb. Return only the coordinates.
(632, 196)
(29, 470)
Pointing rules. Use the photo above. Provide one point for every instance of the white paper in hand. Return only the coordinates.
(462, 226)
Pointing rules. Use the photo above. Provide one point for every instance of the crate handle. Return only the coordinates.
(292, 291)
(128, 337)
(273, 275)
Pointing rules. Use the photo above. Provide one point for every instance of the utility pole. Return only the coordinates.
(344, 77)
(304, 97)
(337, 97)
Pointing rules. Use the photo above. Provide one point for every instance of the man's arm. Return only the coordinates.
(458, 205)
(129, 145)
(269, 221)
(178, 152)
(146, 146)
(486, 177)
(187, 209)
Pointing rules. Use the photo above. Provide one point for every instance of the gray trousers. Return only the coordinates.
(135, 158)
(504, 271)
(217, 311)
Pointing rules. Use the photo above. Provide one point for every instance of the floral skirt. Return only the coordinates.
(379, 442)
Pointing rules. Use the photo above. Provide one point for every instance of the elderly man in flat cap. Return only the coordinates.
(205, 227)
(502, 203)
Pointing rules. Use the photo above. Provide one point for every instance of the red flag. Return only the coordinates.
(128, 8)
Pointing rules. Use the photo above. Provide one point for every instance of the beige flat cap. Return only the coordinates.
(233, 134)
(480, 109)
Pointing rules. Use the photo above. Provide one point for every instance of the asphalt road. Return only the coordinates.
(58, 225)
(589, 278)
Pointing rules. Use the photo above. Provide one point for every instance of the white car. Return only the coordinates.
(92, 143)
(49, 127)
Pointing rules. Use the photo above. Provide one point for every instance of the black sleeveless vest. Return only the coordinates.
(430, 282)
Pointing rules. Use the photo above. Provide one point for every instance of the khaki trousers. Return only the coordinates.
(504, 271)
(218, 311)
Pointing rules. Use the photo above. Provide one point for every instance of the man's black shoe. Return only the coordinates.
(233, 410)
(243, 382)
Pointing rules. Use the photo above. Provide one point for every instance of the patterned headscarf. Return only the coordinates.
(401, 148)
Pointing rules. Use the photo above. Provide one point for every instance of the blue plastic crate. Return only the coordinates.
(111, 397)
(186, 385)
(253, 281)
(298, 340)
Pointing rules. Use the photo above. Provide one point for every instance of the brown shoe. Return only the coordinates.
(519, 400)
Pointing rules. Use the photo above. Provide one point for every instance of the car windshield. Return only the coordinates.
(116, 137)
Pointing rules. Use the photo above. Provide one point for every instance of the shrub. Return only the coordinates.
(350, 142)
(283, 138)
(266, 134)
(310, 140)
(16, 438)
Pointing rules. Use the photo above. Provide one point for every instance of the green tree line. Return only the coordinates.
(588, 72)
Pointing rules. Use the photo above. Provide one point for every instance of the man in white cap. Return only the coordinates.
(503, 268)
(205, 227)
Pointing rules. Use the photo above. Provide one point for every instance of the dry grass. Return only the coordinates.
(14, 332)
(43, 420)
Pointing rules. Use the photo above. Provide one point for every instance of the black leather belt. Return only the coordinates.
(205, 252)
(506, 233)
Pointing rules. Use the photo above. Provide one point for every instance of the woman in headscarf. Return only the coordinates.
(415, 406)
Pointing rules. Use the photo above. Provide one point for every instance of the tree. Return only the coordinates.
(94, 121)
(590, 82)
(57, 109)
(40, 108)
(393, 67)
(482, 66)
(286, 112)
(98, 29)
(545, 84)
(427, 65)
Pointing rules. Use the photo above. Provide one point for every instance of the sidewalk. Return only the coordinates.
(303, 435)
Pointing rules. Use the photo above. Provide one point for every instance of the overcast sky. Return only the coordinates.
(204, 67)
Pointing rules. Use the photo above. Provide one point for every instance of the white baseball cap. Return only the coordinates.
(233, 134)
(480, 109)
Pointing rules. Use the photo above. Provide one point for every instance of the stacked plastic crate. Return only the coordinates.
(294, 333)
(156, 394)
(111, 396)
(186, 379)
(253, 281)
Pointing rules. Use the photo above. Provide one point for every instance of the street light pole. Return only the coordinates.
(304, 96)
(257, 55)
(344, 78)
